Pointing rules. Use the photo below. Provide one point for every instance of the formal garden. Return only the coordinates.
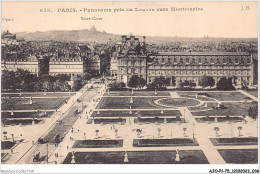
(137, 157)
(37, 103)
(239, 156)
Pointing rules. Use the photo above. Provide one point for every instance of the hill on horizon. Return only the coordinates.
(92, 35)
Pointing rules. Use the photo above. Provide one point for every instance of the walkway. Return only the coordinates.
(248, 95)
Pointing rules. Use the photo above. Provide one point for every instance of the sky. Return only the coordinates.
(217, 19)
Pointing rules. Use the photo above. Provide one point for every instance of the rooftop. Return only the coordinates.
(200, 53)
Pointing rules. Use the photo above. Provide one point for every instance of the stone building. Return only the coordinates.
(180, 66)
(13, 64)
(67, 65)
(130, 59)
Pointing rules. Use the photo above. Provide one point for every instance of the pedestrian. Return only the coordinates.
(57, 154)
(67, 147)
(12, 150)
(32, 142)
(78, 130)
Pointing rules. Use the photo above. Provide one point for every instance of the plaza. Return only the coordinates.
(99, 126)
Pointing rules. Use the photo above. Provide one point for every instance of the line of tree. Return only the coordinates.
(24, 81)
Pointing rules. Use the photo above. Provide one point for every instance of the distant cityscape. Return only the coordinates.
(121, 59)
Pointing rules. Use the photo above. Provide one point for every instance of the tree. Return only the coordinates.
(216, 130)
(159, 83)
(136, 82)
(239, 128)
(184, 131)
(225, 84)
(206, 81)
(97, 131)
(133, 82)
(142, 82)
(187, 84)
(253, 112)
(139, 131)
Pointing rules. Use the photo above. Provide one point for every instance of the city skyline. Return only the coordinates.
(234, 21)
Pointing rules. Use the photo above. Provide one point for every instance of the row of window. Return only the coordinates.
(198, 72)
(198, 67)
(205, 60)
(66, 67)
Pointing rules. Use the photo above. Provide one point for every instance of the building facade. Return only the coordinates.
(93, 65)
(71, 67)
(131, 58)
(181, 66)
(30, 64)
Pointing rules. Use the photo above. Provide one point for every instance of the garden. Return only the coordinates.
(38, 103)
(234, 141)
(150, 113)
(97, 143)
(239, 156)
(138, 157)
(124, 103)
(232, 109)
(164, 142)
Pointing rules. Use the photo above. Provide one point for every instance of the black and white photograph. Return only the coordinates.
(90, 83)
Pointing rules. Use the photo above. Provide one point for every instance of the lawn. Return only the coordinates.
(253, 92)
(178, 102)
(193, 95)
(23, 122)
(233, 109)
(139, 157)
(25, 114)
(221, 96)
(234, 141)
(137, 93)
(219, 119)
(124, 103)
(239, 156)
(164, 142)
(38, 94)
(97, 144)
(7, 144)
(158, 120)
(109, 121)
(203, 107)
(136, 113)
(38, 103)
